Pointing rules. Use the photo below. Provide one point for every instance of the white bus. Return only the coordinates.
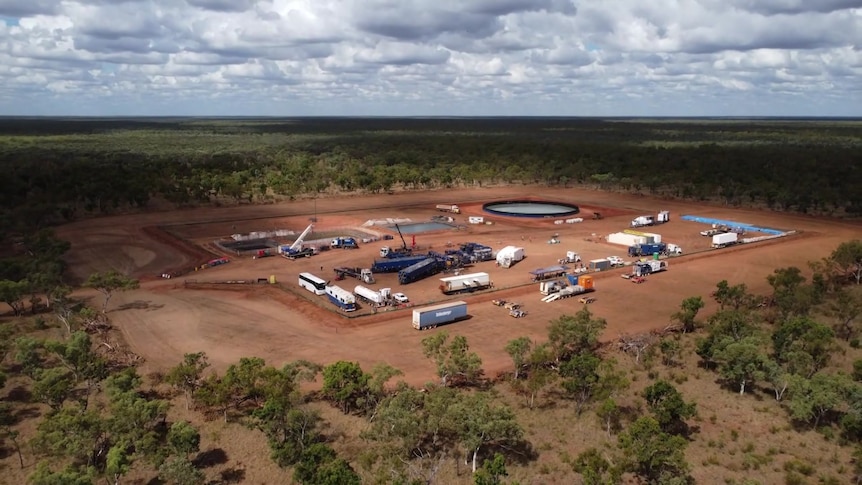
(312, 283)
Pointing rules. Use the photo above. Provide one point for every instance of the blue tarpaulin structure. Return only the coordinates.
(733, 224)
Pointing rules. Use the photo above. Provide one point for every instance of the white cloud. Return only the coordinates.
(403, 57)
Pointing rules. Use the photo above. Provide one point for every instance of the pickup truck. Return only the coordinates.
(616, 261)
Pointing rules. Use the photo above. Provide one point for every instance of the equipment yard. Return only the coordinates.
(203, 311)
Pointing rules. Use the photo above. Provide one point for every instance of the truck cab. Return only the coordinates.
(616, 260)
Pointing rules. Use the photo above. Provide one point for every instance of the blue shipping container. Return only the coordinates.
(420, 270)
(432, 316)
(397, 264)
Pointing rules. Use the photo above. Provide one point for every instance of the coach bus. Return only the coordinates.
(312, 283)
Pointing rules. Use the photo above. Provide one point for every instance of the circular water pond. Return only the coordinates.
(531, 208)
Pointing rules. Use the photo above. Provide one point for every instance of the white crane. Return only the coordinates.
(297, 245)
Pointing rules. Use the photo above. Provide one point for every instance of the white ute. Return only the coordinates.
(616, 260)
(400, 298)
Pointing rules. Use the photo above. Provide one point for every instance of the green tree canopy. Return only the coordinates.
(110, 282)
(848, 259)
(455, 363)
(668, 406)
(346, 385)
(570, 335)
(651, 454)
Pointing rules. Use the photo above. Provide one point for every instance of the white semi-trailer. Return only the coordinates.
(465, 283)
(449, 208)
(432, 316)
(371, 296)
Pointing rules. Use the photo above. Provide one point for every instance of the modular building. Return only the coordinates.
(599, 264)
(648, 237)
(432, 316)
(626, 239)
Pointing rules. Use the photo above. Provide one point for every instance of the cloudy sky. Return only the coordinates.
(431, 57)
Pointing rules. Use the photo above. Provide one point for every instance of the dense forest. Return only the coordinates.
(76, 410)
(60, 169)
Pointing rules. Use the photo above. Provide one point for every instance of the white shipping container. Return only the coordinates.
(726, 238)
(599, 264)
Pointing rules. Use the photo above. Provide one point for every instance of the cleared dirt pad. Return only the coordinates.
(164, 319)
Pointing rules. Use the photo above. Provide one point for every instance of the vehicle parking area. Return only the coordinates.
(232, 310)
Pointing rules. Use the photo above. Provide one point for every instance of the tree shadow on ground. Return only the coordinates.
(521, 452)
(231, 475)
(210, 458)
(28, 412)
(19, 394)
(138, 305)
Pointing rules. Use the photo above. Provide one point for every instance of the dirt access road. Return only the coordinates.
(164, 319)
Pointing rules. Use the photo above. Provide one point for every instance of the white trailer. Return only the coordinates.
(449, 208)
(509, 255)
(641, 221)
(625, 239)
(644, 268)
(432, 316)
(567, 292)
(369, 295)
(663, 216)
(726, 239)
(465, 283)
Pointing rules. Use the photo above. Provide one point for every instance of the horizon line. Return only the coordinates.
(441, 117)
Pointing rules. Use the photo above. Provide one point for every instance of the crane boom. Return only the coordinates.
(297, 245)
(403, 242)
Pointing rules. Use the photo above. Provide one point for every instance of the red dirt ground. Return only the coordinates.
(165, 319)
